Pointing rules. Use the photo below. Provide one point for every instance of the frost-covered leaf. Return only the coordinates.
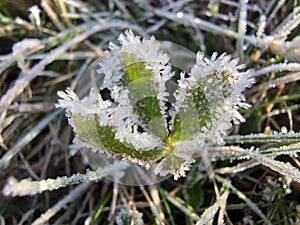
(193, 114)
(129, 217)
(104, 138)
(134, 68)
(214, 89)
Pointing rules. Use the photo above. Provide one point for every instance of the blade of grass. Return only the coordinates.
(181, 204)
(102, 205)
(72, 196)
(23, 141)
(242, 196)
(285, 169)
(263, 138)
(32, 73)
(167, 206)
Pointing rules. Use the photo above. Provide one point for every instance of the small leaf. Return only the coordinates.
(156, 126)
(135, 68)
(195, 196)
(143, 93)
(192, 117)
(143, 97)
(92, 133)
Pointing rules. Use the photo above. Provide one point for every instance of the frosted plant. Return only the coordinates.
(134, 115)
(128, 216)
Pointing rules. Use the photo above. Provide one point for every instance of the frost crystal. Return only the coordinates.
(136, 120)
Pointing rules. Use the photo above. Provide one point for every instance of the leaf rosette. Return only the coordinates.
(144, 113)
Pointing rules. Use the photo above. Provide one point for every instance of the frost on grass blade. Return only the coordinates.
(208, 216)
(135, 119)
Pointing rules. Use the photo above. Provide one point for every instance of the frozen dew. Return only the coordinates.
(22, 47)
(34, 15)
(179, 15)
(284, 130)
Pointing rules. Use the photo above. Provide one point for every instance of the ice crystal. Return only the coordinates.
(35, 15)
(276, 188)
(139, 123)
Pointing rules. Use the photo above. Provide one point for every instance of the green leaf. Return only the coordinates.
(195, 196)
(192, 117)
(156, 126)
(135, 68)
(167, 206)
(143, 95)
(103, 137)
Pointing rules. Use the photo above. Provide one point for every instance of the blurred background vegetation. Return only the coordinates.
(40, 140)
